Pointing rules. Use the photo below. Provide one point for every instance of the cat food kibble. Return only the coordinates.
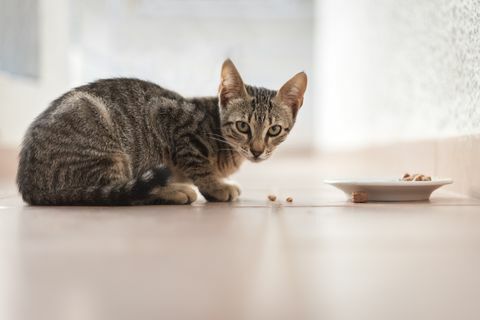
(415, 177)
(289, 199)
(359, 197)
(272, 197)
(422, 177)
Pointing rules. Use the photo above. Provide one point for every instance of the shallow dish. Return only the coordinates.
(390, 189)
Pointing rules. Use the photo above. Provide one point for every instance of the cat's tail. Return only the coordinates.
(135, 191)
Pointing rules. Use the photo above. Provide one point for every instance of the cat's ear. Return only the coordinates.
(291, 93)
(231, 84)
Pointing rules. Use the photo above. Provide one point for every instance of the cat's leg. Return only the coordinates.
(172, 193)
(212, 187)
(193, 160)
(165, 193)
(218, 191)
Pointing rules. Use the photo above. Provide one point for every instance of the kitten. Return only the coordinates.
(128, 141)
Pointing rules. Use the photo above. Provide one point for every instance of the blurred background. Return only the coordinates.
(394, 87)
(50, 46)
(380, 72)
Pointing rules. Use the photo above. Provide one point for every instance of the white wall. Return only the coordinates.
(396, 70)
(22, 99)
(178, 44)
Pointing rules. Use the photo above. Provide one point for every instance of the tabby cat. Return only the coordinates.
(127, 141)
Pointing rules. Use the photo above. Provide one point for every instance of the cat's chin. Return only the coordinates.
(256, 160)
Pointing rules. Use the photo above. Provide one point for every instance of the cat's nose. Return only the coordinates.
(256, 153)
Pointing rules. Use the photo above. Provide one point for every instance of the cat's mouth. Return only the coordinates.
(257, 159)
(249, 156)
(252, 158)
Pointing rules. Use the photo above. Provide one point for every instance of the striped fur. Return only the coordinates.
(127, 141)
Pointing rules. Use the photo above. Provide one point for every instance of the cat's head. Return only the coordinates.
(256, 120)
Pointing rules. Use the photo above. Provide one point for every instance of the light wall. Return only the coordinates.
(177, 44)
(22, 99)
(392, 71)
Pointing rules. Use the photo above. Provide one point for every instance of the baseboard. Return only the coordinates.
(8, 163)
(457, 158)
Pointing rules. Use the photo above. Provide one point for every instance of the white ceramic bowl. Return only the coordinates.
(390, 189)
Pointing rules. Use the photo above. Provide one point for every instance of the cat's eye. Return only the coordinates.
(274, 130)
(242, 126)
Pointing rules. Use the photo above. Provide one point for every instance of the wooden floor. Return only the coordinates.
(317, 258)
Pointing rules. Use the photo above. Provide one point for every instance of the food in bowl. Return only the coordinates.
(415, 177)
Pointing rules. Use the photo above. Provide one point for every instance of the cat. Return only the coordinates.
(126, 141)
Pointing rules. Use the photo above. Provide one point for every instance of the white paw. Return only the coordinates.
(221, 192)
(175, 193)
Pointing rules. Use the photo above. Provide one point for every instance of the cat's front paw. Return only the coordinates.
(221, 192)
(174, 193)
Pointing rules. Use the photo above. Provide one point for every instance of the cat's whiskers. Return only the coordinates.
(214, 134)
(222, 139)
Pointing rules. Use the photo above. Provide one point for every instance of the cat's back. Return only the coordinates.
(97, 105)
(105, 96)
(127, 90)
